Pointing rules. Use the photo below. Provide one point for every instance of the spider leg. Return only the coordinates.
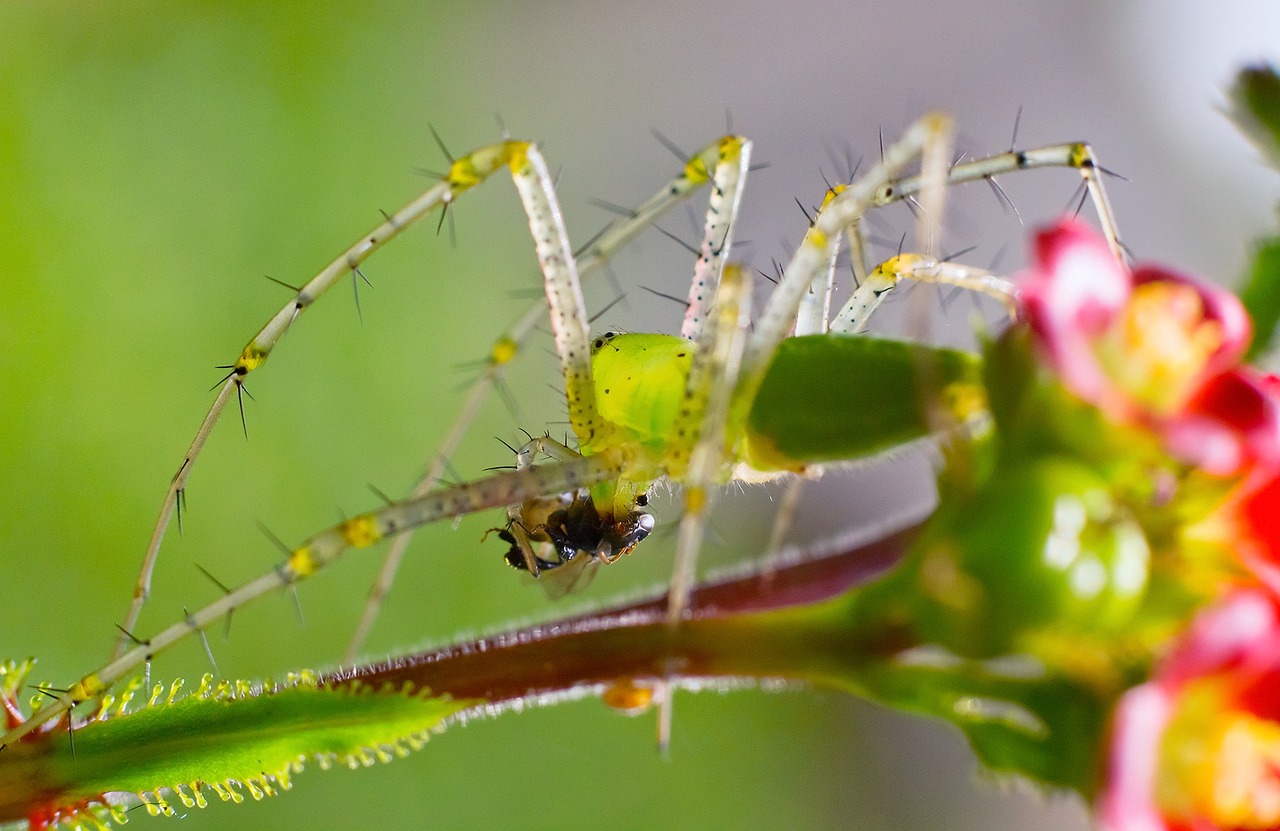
(703, 167)
(856, 313)
(722, 209)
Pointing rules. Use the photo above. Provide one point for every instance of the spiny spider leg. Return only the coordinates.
(569, 323)
(326, 547)
(856, 313)
(463, 174)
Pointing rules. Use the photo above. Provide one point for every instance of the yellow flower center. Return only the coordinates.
(1219, 764)
(1158, 349)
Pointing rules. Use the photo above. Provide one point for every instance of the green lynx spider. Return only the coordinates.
(706, 443)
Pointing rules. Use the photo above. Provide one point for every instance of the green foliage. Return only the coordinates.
(1256, 108)
(223, 738)
(1043, 727)
(1261, 296)
(828, 398)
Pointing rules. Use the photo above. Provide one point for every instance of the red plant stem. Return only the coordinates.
(792, 621)
(770, 624)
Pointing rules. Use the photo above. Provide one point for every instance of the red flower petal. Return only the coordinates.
(1071, 298)
(1231, 422)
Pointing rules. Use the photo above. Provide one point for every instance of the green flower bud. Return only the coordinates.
(1040, 547)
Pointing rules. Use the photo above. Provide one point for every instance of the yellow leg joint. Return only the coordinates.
(361, 531)
(1081, 156)
(474, 168)
(87, 687)
(730, 148)
(517, 155)
(832, 193)
(504, 351)
(695, 170)
(937, 122)
(302, 563)
(895, 268)
(251, 358)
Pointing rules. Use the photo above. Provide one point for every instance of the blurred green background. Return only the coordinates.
(156, 159)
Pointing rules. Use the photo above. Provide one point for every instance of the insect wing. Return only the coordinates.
(573, 576)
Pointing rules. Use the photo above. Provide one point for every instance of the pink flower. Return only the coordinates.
(1129, 341)
(1160, 351)
(1198, 746)
(1153, 348)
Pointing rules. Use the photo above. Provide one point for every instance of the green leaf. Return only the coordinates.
(831, 398)
(1255, 106)
(1042, 727)
(1261, 296)
(227, 739)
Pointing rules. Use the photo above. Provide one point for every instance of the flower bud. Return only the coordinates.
(1039, 546)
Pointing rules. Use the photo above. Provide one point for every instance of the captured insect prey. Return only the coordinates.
(548, 532)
